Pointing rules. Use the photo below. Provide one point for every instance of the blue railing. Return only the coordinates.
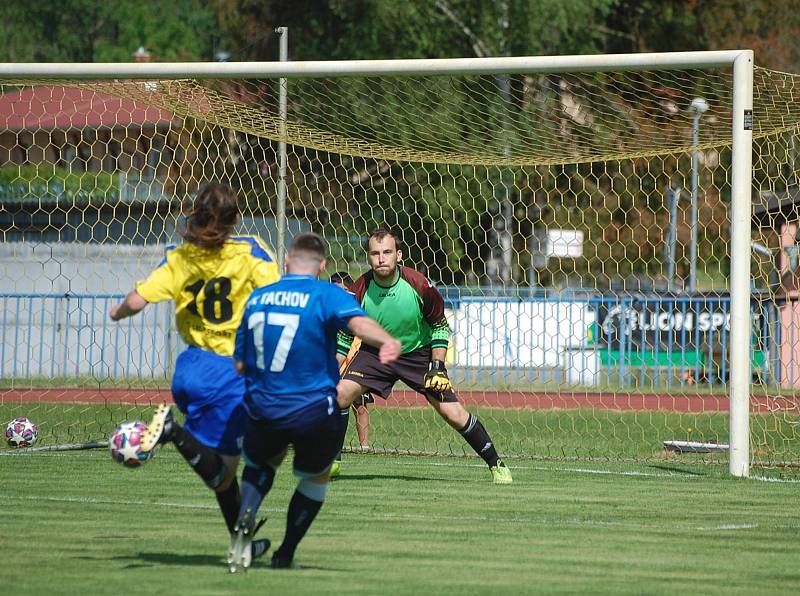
(71, 335)
(620, 340)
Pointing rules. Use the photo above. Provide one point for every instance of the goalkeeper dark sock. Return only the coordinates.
(256, 483)
(303, 508)
(230, 501)
(477, 437)
(205, 461)
(345, 420)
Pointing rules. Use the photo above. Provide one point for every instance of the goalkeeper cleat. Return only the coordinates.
(240, 554)
(336, 468)
(160, 428)
(501, 474)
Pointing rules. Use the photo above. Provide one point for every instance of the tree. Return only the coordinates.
(95, 31)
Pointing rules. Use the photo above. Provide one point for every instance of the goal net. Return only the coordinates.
(578, 225)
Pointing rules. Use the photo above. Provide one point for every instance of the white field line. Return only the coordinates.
(769, 479)
(727, 527)
(361, 514)
(681, 475)
(378, 460)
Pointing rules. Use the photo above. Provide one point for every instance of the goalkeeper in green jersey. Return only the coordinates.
(405, 303)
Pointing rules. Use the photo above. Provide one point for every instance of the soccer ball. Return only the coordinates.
(124, 444)
(21, 432)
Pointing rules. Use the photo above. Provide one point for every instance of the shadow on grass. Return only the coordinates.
(678, 470)
(346, 477)
(196, 560)
(150, 559)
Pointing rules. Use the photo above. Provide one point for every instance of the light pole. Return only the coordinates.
(674, 194)
(698, 107)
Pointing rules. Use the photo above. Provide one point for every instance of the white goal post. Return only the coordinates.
(741, 63)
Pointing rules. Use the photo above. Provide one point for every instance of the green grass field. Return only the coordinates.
(589, 434)
(76, 523)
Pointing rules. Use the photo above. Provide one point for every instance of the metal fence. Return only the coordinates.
(63, 336)
(620, 341)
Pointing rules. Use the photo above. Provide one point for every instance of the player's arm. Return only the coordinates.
(433, 313)
(436, 379)
(371, 333)
(157, 287)
(132, 304)
(438, 354)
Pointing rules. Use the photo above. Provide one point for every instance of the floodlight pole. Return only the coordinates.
(280, 212)
(674, 194)
(698, 107)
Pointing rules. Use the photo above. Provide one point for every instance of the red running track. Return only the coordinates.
(544, 400)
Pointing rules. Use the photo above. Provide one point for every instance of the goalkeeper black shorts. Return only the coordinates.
(364, 399)
(366, 370)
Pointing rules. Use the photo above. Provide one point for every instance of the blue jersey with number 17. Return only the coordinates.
(287, 342)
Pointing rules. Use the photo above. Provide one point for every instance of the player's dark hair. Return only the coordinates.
(381, 233)
(342, 277)
(212, 216)
(309, 242)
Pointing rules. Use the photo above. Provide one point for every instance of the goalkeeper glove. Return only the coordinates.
(436, 378)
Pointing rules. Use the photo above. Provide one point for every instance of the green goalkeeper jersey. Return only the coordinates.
(411, 310)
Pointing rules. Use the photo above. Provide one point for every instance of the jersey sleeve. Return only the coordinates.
(342, 307)
(432, 308)
(265, 271)
(344, 339)
(433, 311)
(160, 285)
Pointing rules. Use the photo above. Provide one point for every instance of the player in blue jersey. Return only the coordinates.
(286, 350)
(209, 278)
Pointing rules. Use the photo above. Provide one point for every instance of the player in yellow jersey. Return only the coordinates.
(209, 278)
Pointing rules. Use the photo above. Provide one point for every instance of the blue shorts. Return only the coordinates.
(207, 389)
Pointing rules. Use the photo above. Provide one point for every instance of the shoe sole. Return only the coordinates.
(241, 551)
(153, 433)
(240, 555)
(232, 552)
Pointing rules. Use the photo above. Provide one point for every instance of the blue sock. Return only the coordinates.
(256, 483)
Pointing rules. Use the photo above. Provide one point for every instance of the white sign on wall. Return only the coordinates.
(565, 243)
(518, 334)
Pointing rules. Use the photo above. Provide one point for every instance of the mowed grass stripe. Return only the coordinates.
(584, 434)
(399, 525)
(545, 520)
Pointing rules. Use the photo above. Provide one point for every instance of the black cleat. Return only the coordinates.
(280, 562)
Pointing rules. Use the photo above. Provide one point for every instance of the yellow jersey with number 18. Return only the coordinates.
(210, 288)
